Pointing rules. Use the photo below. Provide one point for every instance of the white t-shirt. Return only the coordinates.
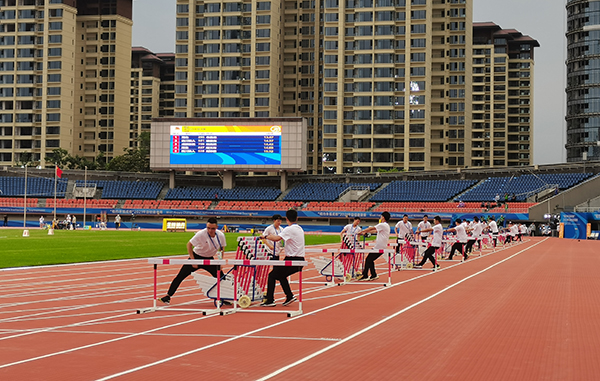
(403, 229)
(207, 246)
(461, 234)
(514, 230)
(438, 232)
(383, 235)
(293, 236)
(422, 226)
(477, 229)
(274, 231)
(523, 229)
(351, 231)
(494, 227)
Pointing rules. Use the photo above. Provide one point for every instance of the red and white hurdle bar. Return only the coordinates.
(205, 262)
(221, 262)
(353, 251)
(266, 262)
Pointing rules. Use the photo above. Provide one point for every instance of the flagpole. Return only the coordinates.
(25, 201)
(84, 195)
(55, 179)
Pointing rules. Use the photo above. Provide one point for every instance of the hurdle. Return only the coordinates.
(266, 262)
(164, 261)
(321, 264)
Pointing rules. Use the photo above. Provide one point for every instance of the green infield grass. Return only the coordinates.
(87, 246)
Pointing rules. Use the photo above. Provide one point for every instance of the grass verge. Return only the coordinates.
(95, 245)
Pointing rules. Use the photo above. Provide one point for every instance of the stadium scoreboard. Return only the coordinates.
(257, 144)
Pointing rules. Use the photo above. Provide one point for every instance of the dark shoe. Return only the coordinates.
(226, 303)
(374, 277)
(289, 301)
(465, 257)
(166, 299)
(267, 304)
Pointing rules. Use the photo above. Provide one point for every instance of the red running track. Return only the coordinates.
(525, 312)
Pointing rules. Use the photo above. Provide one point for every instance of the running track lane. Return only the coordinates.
(425, 340)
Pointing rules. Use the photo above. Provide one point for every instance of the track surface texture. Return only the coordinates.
(523, 312)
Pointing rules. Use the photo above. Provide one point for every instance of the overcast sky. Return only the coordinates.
(543, 20)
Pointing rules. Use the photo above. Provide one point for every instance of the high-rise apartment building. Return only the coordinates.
(152, 90)
(583, 80)
(502, 97)
(65, 67)
(384, 84)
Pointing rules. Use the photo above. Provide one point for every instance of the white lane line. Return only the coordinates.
(374, 325)
(247, 334)
(103, 342)
(117, 333)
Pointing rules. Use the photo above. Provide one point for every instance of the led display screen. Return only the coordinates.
(225, 145)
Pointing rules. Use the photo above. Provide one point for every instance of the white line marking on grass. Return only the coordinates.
(374, 325)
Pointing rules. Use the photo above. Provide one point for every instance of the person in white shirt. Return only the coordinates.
(522, 231)
(349, 234)
(404, 229)
(41, 222)
(475, 235)
(436, 243)
(205, 244)
(513, 230)
(117, 222)
(424, 225)
(293, 236)
(461, 239)
(275, 228)
(404, 232)
(383, 235)
(493, 226)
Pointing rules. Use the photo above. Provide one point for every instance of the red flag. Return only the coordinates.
(58, 172)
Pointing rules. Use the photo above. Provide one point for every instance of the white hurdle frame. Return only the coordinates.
(353, 251)
(166, 261)
(266, 262)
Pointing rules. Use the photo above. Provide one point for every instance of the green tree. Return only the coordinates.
(134, 159)
(59, 157)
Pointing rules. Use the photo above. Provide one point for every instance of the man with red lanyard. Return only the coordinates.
(293, 236)
(205, 244)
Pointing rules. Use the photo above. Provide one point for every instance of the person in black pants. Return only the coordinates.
(205, 244)
(461, 239)
(383, 234)
(436, 243)
(293, 236)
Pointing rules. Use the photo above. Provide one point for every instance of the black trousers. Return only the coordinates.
(495, 239)
(186, 270)
(370, 265)
(281, 273)
(428, 254)
(457, 246)
(469, 247)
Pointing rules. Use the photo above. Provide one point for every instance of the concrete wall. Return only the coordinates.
(567, 200)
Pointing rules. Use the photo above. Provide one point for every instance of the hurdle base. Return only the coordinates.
(211, 312)
(294, 313)
(228, 311)
(146, 310)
